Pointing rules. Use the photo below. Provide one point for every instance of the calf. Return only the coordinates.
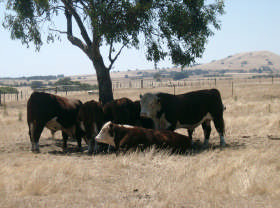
(187, 110)
(55, 113)
(128, 136)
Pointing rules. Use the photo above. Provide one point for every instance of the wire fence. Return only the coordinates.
(25, 92)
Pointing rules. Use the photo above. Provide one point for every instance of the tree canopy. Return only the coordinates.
(178, 29)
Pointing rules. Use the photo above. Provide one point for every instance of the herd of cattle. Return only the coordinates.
(125, 124)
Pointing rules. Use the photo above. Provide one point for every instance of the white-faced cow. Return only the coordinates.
(126, 136)
(91, 119)
(187, 110)
(55, 113)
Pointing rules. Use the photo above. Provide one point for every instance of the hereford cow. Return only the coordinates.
(187, 110)
(55, 113)
(91, 119)
(126, 136)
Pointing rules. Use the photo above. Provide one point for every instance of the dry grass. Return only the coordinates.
(244, 174)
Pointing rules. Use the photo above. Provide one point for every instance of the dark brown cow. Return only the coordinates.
(55, 113)
(187, 110)
(91, 119)
(142, 121)
(120, 111)
(126, 136)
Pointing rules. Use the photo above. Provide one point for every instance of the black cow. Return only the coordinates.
(55, 113)
(187, 110)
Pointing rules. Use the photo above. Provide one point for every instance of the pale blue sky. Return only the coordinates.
(248, 25)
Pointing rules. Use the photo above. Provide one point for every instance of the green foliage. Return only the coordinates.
(69, 85)
(157, 76)
(36, 84)
(179, 75)
(9, 90)
(178, 29)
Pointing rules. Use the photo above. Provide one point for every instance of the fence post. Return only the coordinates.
(232, 88)
(141, 83)
(17, 96)
(0, 99)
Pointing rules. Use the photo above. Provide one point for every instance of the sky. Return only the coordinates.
(247, 25)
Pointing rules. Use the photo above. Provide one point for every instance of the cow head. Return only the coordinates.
(106, 134)
(150, 105)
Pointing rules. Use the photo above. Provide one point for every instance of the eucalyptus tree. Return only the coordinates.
(177, 29)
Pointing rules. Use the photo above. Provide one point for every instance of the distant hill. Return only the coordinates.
(245, 61)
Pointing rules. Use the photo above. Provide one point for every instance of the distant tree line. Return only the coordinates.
(64, 84)
(8, 90)
(48, 77)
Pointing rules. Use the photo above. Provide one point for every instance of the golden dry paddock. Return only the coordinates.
(244, 174)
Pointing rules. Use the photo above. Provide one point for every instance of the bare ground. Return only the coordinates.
(244, 174)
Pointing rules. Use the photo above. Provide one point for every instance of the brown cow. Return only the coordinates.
(128, 136)
(91, 119)
(120, 111)
(55, 113)
(142, 121)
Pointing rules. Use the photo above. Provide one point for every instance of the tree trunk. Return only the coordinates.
(104, 82)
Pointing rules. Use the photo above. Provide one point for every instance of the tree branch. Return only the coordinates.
(69, 6)
(59, 31)
(74, 40)
(117, 55)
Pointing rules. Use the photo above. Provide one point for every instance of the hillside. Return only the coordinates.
(245, 61)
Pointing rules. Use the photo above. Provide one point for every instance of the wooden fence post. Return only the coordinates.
(141, 83)
(232, 88)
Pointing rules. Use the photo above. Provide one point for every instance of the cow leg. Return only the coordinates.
(190, 132)
(206, 125)
(91, 146)
(35, 131)
(65, 138)
(220, 127)
(79, 143)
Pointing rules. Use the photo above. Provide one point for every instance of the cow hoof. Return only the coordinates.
(35, 151)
